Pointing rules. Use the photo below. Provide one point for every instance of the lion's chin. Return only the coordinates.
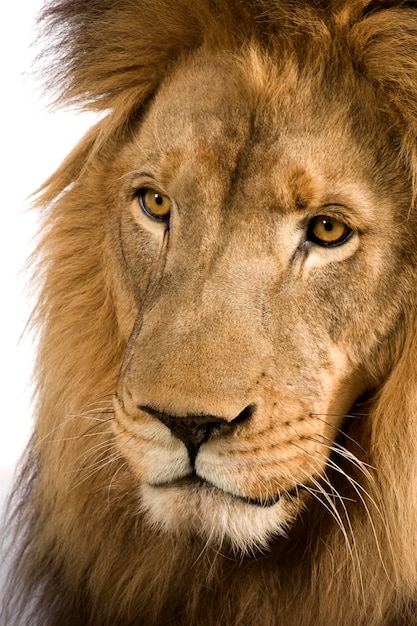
(197, 508)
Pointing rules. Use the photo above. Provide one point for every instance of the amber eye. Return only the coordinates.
(328, 231)
(155, 205)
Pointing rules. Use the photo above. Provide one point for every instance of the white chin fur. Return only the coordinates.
(216, 516)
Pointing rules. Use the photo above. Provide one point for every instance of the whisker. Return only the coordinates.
(328, 504)
(118, 470)
(344, 525)
(87, 433)
(346, 454)
(340, 431)
(359, 489)
(90, 415)
(99, 465)
(349, 415)
(364, 496)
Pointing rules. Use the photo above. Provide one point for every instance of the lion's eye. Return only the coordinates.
(328, 231)
(155, 205)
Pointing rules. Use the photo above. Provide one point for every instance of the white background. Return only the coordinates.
(33, 141)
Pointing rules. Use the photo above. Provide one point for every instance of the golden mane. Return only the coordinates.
(85, 555)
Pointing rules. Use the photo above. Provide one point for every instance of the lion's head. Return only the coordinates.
(260, 242)
(227, 395)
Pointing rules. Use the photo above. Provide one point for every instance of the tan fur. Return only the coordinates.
(253, 118)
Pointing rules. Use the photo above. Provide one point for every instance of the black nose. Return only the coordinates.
(193, 430)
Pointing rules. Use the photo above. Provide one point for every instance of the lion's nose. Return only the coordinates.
(193, 430)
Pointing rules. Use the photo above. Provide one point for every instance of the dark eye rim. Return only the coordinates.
(139, 195)
(348, 232)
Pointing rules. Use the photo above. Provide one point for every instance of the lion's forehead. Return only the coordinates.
(207, 132)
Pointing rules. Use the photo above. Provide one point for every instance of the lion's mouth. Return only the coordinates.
(196, 483)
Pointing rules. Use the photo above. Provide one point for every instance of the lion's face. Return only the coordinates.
(258, 233)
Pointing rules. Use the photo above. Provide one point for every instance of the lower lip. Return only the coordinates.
(195, 481)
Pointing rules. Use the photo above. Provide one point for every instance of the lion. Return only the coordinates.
(226, 426)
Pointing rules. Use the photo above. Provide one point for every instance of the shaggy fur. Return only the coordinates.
(253, 118)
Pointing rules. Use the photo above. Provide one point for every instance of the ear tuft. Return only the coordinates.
(384, 45)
